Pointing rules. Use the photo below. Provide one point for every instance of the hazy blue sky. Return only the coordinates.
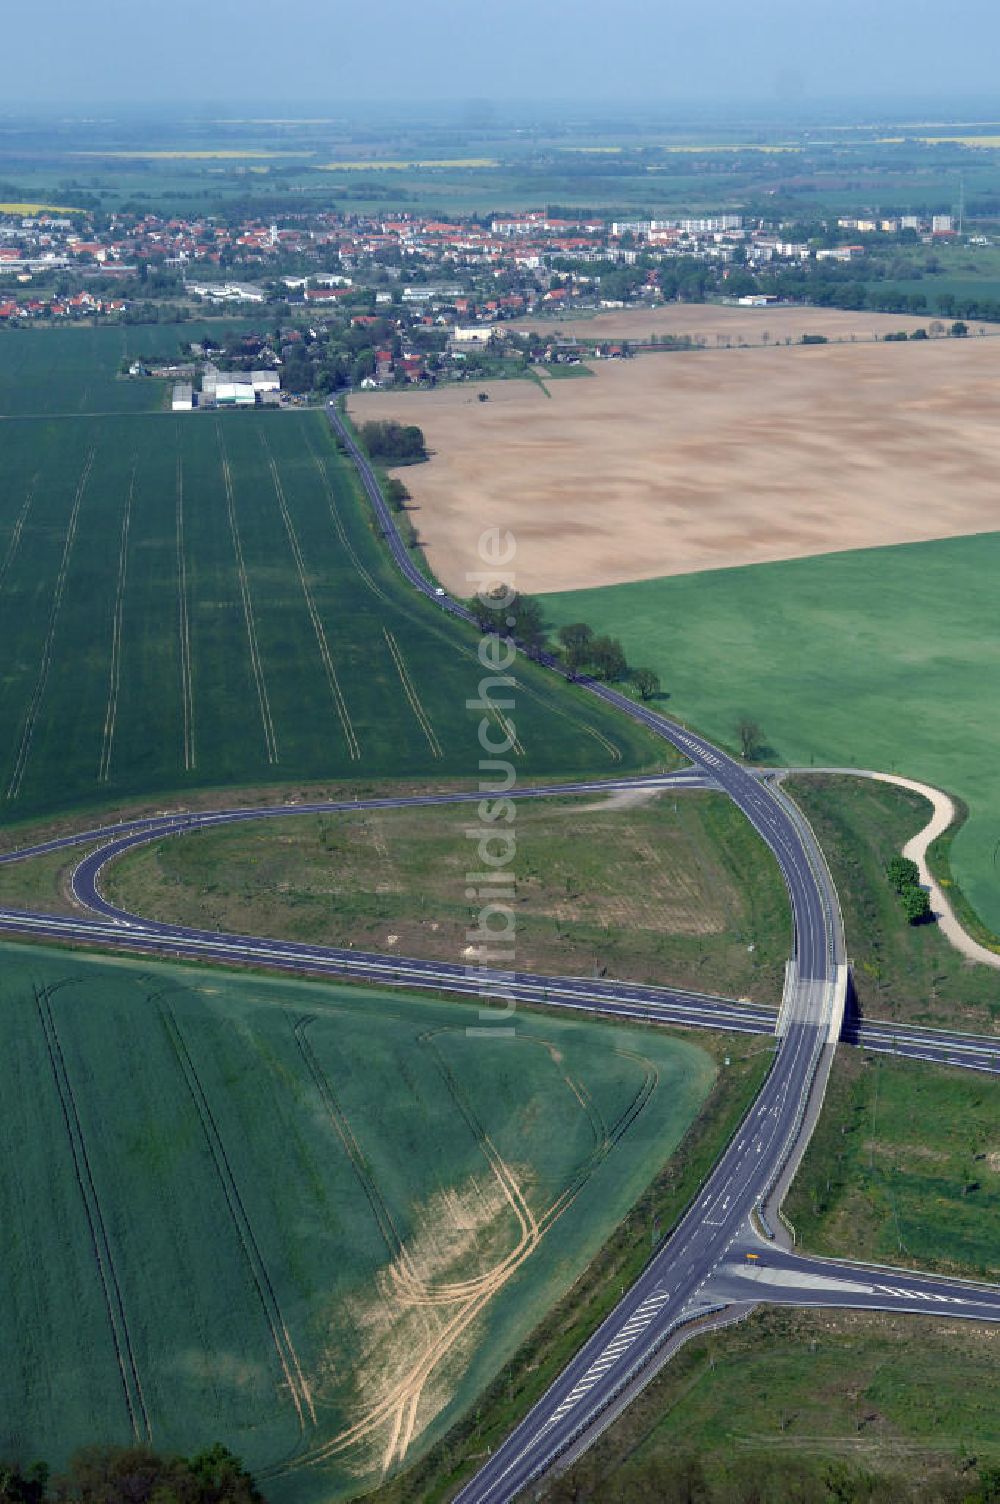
(325, 50)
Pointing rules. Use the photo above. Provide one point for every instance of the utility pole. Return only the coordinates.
(961, 204)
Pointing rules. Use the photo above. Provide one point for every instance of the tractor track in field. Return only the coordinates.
(263, 700)
(288, 1360)
(409, 689)
(340, 1122)
(577, 1089)
(338, 524)
(336, 693)
(110, 1284)
(184, 624)
(507, 727)
(14, 541)
(117, 622)
(35, 703)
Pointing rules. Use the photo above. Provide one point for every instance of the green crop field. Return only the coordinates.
(189, 600)
(76, 370)
(882, 658)
(46, 371)
(903, 1168)
(310, 1222)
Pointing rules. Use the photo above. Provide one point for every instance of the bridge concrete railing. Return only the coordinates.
(838, 1007)
(787, 998)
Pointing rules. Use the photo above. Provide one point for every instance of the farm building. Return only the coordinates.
(474, 334)
(226, 292)
(182, 400)
(265, 381)
(234, 394)
(239, 388)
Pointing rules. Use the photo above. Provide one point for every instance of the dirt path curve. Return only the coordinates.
(916, 850)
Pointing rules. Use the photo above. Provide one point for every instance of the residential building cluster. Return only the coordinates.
(81, 305)
(457, 274)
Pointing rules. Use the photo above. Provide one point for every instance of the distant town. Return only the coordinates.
(343, 300)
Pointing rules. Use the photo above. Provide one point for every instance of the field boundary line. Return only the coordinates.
(337, 694)
(115, 672)
(411, 693)
(184, 625)
(288, 1359)
(14, 541)
(35, 703)
(113, 1300)
(270, 741)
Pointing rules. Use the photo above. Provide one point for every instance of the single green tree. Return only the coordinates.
(646, 681)
(396, 493)
(749, 734)
(528, 622)
(576, 638)
(607, 656)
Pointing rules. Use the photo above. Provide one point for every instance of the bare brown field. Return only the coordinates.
(716, 324)
(670, 464)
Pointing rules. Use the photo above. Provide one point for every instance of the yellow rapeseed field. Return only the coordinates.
(38, 209)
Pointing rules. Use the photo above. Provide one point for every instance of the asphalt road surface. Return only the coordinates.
(755, 1271)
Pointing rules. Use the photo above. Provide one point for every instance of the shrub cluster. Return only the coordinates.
(132, 1475)
(395, 443)
(580, 648)
(904, 877)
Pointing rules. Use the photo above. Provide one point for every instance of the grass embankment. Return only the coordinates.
(288, 1198)
(901, 971)
(649, 892)
(41, 883)
(564, 372)
(904, 1168)
(743, 1067)
(883, 658)
(807, 1406)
